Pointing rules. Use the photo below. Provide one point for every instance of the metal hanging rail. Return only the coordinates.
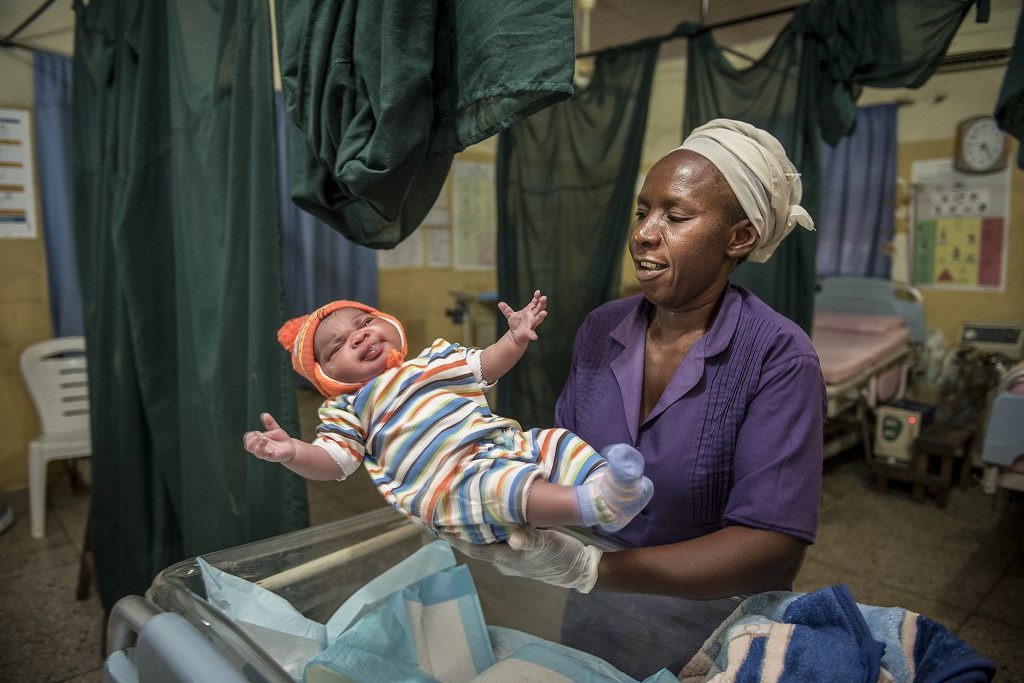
(8, 40)
(970, 61)
(709, 27)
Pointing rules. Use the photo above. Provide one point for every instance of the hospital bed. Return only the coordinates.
(174, 633)
(866, 332)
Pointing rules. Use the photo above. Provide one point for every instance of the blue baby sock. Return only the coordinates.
(618, 493)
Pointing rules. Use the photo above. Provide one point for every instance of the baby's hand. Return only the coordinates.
(522, 324)
(274, 444)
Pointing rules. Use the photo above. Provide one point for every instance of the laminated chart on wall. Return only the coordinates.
(437, 231)
(474, 216)
(407, 254)
(429, 244)
(439, 246)
(959, 227)
(17, 176)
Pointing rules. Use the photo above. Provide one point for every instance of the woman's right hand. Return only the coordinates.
(274, 444)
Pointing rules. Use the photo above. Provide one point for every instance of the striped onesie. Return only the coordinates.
(435, 451)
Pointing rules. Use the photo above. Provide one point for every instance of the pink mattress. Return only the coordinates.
(848, 343)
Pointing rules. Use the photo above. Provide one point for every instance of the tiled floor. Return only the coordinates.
(962, 566)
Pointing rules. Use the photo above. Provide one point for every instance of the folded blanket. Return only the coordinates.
(826, 636)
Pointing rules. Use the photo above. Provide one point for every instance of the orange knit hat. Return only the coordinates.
(296, 336)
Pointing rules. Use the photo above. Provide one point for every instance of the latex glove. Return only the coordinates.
(543, 554)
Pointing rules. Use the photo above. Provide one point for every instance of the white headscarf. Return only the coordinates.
(761, 176)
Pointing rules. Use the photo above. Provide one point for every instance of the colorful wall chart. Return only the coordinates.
(960, 227)
(17, 177)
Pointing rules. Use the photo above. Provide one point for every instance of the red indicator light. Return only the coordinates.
(912, 420)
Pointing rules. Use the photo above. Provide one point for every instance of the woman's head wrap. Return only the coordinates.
(297, 335)
(761, 176)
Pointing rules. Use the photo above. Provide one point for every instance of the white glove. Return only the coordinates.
(542, 554)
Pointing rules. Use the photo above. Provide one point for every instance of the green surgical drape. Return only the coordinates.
(804, 89)
(179, 261)
(566, 179)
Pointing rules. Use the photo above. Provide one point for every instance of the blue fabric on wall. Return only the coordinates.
(858, 194)
(320, 264)
(51, 77)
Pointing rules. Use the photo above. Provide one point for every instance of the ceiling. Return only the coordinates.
(612, 22)
(53, 29)
(620, 22)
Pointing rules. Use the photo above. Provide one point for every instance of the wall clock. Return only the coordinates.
(980, 146)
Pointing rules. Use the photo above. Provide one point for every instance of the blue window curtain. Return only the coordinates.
(858, 194)
(51, 77)
(320, 265)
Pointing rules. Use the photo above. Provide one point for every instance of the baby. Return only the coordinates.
(424, 431)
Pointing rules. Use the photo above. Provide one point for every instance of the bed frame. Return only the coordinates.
(1002, 451)
(852, 399)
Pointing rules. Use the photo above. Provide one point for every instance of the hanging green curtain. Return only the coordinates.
(804, 89)
(228, 274)
(566, 179)
(179, 264)
(773, 95)
(120, 229)
(1009, 109)
(383, 95)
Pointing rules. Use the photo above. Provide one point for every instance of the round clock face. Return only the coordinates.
(982, 144)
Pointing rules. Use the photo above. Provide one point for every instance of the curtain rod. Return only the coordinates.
(709, 27)
(8, 40)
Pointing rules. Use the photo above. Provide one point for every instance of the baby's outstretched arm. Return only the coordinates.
(502, 355)
(275, 445)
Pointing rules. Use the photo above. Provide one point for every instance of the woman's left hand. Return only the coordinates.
(543, 554)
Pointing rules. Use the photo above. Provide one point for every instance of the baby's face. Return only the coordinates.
(352, 346)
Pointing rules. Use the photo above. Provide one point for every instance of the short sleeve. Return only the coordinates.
(342, 435)
(779, 452)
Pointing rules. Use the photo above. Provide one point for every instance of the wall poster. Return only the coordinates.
(437, 227)
(474, 218)
(17, 176)
(407, 254)
(960, 227)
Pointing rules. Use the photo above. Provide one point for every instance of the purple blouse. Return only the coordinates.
(737, 436)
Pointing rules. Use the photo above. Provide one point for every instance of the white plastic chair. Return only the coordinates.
(56, 375)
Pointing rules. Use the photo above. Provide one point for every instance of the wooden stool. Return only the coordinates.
(940, 447)
(936, 451)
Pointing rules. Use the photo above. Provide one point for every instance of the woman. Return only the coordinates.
(722, 395)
